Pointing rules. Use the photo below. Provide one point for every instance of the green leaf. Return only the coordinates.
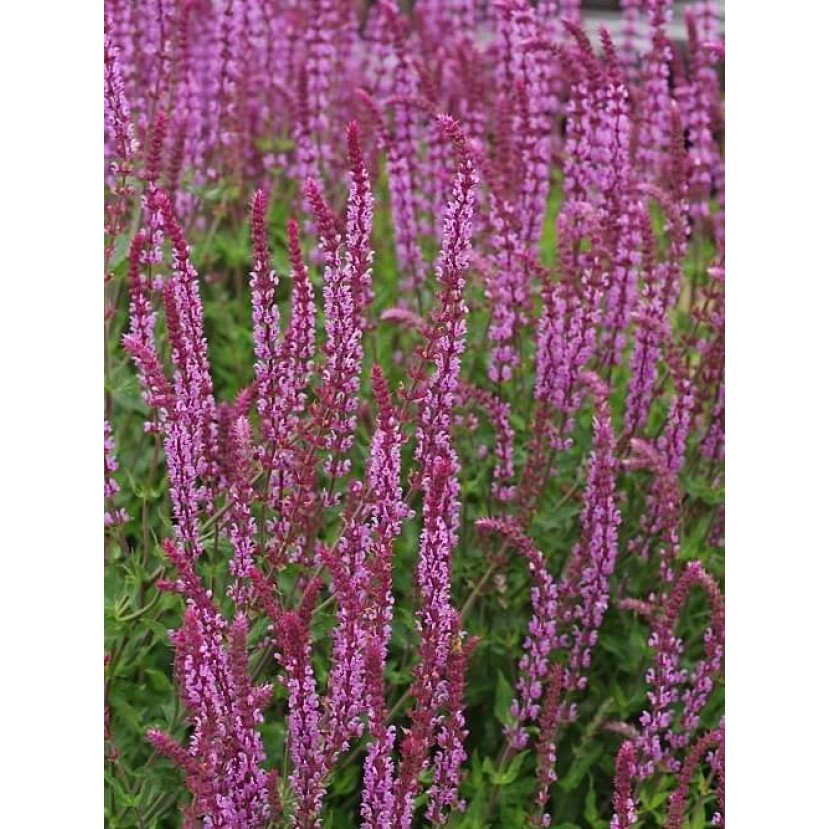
(652, 795)
(158, 681)
(511, 773)
(581, 765)
(160, 631)
(512, 816)
(345, 781)
(503, 699)
(476, 809)
(701, 489)
(697, 820)
(591, 810)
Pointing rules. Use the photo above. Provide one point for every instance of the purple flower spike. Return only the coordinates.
(586, 588)
(658, 744)
(111, 488)
(624, 806)
(223, 761)
(541, 639)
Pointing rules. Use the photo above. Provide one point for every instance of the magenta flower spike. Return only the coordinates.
(629, 53)
(186, 408)
(449, 318)
(242, 524)
(320, 57)
(541, 640)
(156, 389)
(224, 757)
(292, 367)
(525, 75)
(345, 698)
(538, 107)
(402, 150)
(151, 204)
(599, 170)
(713, 740)
(434, 619)
(305, 739)
(698, 104)
(186, 495)
(298, 344)
(498, 412)
(674, 438)
(624, 806)
(283, 373)
(443, 796)
(572, 313)
(648, 336)
(507, 292)
(140, 341)
(386, 512)
(586, 587)
(435, 616)
(546, 745)
(360, 568)
(192, 381)
(112, 516)
(377, 804)
(661, 521)
(121, 143)
(655, 99)
(623, 213)
(263, 284)
(347, 292)
(658, 744)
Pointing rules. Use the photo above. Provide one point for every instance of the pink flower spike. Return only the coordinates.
(624, 806)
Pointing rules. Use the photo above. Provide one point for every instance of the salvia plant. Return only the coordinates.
(414, 415)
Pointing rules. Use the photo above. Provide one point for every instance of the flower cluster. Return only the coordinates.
(624, 808)
(111, 487)
(541, 639)
(223, 761)
(658, 743)
(586, 588)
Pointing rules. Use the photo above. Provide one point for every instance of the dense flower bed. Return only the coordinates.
(414, 427)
